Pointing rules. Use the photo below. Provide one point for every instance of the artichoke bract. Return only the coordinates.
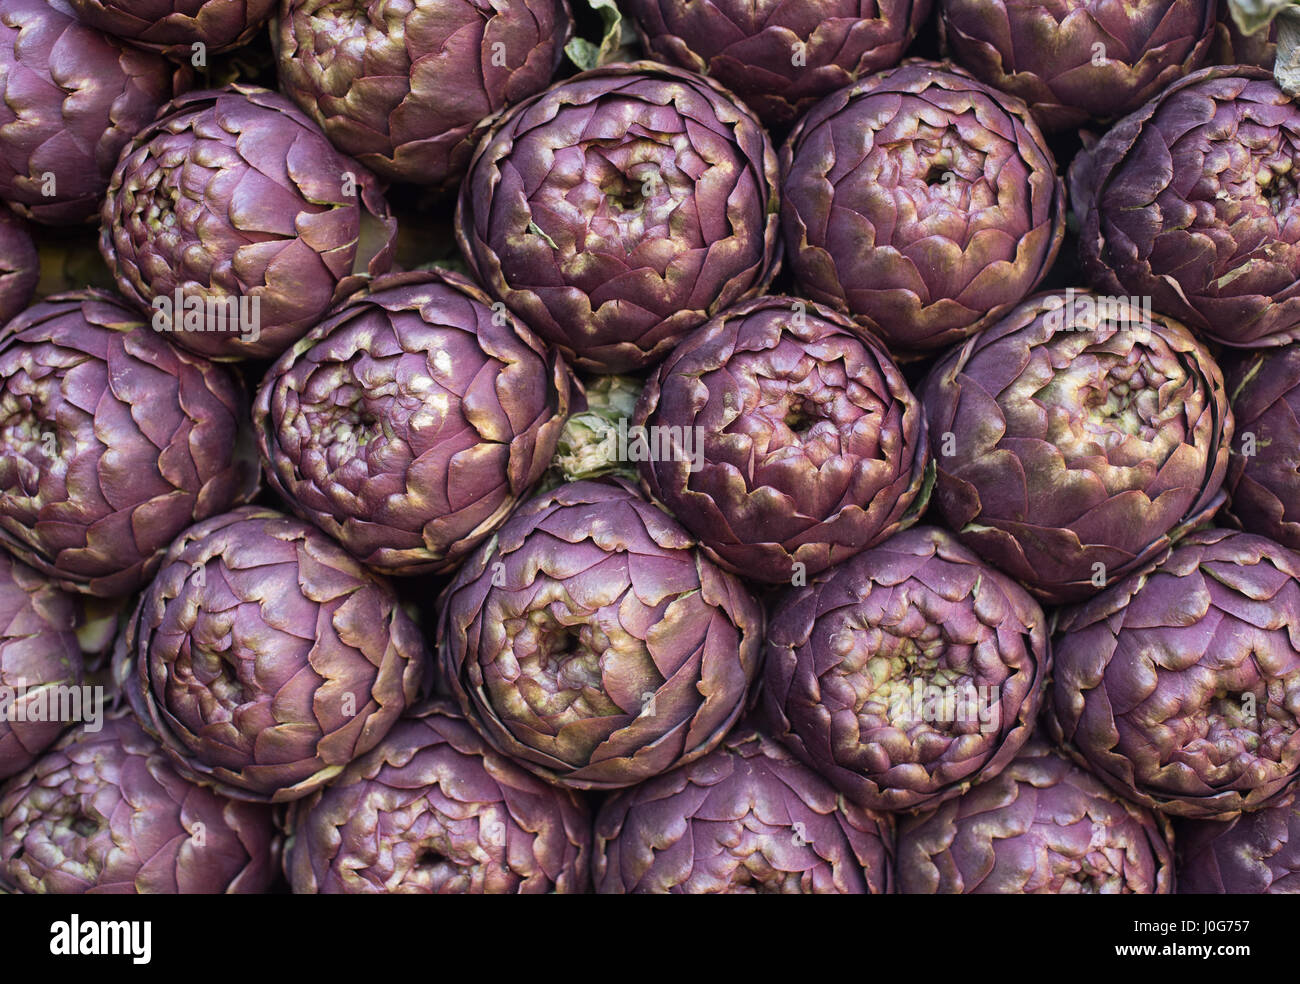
(38, 656)
(433, 810)
(783, 437)
(907, 673)
(593, 643)
(1076, 439)
(19, 269)
(620, 209)
(1044, 826)
(104, 812)
(745, 819)
(1074, 61)
(1263, 480)
(265, 658)
(780, 58)
(1253, 854)
(922, 201)
(114, 441)
(233, 222)
(1180, 688)
(70, 99)
(411, 421)
(1192, 201)
(404, 87)
(180, 28)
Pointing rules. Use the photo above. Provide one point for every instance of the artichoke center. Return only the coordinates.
(217, 674)
(1277, 187)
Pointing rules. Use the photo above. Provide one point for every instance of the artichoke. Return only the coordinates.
(402, 87)
(104, 812)
(38, 655)
(590, 640)
(922, 201)
(265, 659)
(908, 673)
(1074, 61)
(1192, 201)
(19, 270)
(1042, 827)
(795, 439)
(178, 27)
(1252, 854)
(432, 809)
(620, 209)
(1076, 439)
(236, 224)
(780, 58)
(744, 819)
(1264, 469)
(1180, 688)
(411, 421)
(114, 441)
(70, 100)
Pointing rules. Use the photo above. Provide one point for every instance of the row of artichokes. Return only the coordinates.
(749, 663)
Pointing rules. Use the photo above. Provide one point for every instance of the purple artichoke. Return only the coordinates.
(265, 659)
(619, 210)
(1043, 826)
(19, 270)
(908, 673)
(236, 224)
(38, 655)
(800, 442)
(1192, 201)
(744, 819)
(433, 810)
(1264, 470)
(1076, 439)
(403, 87)
(113, 442)
(922, 201)
(70, 100)
(411, 421)
(1074, 61)
(177, 26)
(590, 640)
(1252, 854)
(780, 58)
(1180, 688)
(103, 812)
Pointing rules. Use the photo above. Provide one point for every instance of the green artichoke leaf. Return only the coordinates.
(616, 35)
